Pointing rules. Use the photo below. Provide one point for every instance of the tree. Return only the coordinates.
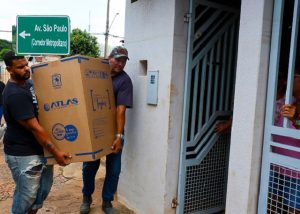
(5, 44)
(3, 52)
(84, 43)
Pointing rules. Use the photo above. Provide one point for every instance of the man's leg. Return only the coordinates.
(89, 171)
(113, 169)
(27, 172)
(45, 187)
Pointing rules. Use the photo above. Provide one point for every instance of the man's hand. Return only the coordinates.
(117, 145)
(62, 158)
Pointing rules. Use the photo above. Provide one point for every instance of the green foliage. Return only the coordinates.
(3, 52)
(5, 44)
(4, 47)
(84, 43)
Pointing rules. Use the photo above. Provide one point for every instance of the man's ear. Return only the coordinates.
(8, 68)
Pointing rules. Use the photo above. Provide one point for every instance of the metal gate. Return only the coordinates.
(280, 175)
(209, 89)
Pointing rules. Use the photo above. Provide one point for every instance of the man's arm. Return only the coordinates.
(43, 138)
(120, 120)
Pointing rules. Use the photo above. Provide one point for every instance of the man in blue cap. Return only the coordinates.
(123, 91)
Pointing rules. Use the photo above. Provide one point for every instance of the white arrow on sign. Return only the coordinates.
(24, 34)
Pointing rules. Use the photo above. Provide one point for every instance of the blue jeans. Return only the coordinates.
(113, 169)
(33, 181)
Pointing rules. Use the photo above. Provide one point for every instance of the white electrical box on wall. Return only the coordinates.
(152, 87)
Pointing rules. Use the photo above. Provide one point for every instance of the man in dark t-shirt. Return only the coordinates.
(2, 85)
(25, 138)
(19, 141)
(123, 91)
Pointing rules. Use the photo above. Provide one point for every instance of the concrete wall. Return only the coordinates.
(176, 105)
(249, 106)
(151, 154)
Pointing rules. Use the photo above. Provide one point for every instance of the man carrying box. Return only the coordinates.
(24, 140)
(123, 91)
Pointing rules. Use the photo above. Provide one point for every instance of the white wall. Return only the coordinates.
(176, 105)
(151, 155)
(249, 106)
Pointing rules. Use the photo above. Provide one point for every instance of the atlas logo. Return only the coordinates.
(60, 104)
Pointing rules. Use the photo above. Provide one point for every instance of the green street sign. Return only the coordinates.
(43, 35)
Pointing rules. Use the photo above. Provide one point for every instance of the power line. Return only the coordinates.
(103, 34)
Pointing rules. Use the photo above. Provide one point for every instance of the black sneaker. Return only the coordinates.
(107, 208)
(86, 205)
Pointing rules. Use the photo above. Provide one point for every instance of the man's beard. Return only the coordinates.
(19, 77)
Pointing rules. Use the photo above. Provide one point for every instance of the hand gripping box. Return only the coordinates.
(76, 106)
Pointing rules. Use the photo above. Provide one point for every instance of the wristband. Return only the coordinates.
(121, 136)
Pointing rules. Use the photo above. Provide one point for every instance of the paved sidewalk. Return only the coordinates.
(65, 196)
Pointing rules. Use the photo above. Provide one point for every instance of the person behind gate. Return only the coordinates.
(292, 111)
(123, 91)
(290, 184)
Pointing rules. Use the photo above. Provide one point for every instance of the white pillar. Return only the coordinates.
(249, 106)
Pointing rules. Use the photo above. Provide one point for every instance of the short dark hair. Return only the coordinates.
(9, 57)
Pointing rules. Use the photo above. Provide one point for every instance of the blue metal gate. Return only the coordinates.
(280, 175)
(209, 89)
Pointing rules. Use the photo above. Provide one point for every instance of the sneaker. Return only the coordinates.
(107, 208)
(86, 205)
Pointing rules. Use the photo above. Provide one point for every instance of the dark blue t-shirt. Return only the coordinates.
(123, 89)
(2, 86)
(19, 103)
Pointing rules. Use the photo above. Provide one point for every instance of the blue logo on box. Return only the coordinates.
(60, 104)
(46, 107)
(71, 133)
(68, 132)
(56, 81)
(96, 74)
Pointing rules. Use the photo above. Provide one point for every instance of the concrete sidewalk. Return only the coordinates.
(65, 196)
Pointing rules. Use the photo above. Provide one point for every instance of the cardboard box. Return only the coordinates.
(76, 106)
